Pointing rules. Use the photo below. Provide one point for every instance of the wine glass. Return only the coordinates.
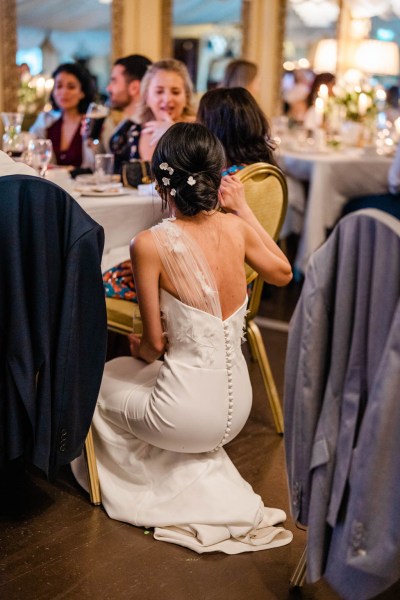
(39, 155)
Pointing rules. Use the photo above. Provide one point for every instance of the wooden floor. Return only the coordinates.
(62, 547)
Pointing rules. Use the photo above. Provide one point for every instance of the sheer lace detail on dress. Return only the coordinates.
(187, 268)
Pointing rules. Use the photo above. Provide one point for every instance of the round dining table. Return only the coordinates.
(122, 216)
(331, 178)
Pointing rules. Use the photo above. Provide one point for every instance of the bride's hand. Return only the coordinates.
(134, 344)
(231, 195)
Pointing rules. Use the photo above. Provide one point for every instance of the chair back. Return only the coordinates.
(266, 193)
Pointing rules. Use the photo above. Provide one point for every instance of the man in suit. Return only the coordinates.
(124, 97)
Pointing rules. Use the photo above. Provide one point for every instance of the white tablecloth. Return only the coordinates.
(333, 177)
(122, 217)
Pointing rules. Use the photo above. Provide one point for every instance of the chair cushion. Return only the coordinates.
(123, 316)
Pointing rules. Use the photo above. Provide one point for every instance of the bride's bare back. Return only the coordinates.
(220, 240)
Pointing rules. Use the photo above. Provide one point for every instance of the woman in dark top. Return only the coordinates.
(233, 115)
(72, 93)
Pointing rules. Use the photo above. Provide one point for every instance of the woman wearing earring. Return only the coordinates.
(72, 93)
(166, 98)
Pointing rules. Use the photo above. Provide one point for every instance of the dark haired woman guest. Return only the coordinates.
(234, 116)
(160, 427)
(72, 93)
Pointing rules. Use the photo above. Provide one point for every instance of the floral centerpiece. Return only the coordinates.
(358, 103)
(33, 96)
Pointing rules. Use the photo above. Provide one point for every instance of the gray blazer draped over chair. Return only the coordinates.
(52, 322)
(342, 407)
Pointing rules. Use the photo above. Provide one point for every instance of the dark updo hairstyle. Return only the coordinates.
(192, 152)
(84, 78)
(234, 116)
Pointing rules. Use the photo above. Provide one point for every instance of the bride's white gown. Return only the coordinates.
(159, 428)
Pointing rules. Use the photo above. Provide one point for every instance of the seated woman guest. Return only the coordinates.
(72, 93)
(166, 97)
(160, 427)
(235, 118)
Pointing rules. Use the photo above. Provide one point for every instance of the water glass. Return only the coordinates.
(103, 168)
(13, 141)
(39, 155)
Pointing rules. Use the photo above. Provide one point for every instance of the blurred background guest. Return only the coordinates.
(295, 94)
(392, 103)
(327, 79)
(72, 93)
(242, 73)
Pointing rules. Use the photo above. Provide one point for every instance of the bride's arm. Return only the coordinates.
(146, 267)
(262, 253)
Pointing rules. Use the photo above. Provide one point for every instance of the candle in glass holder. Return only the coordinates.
(40, 87)
(397, 127)
(323, 91)
(319, 112)
(363, 104)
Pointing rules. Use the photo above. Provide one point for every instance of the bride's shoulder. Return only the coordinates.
(142, 243)
(232, 222)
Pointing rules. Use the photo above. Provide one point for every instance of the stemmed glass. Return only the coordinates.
(39, 155)
(13, 141)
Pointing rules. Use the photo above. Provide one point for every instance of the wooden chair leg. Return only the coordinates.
(299, 573)
(258, 350)
(93, 477)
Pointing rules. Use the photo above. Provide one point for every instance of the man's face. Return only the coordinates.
(119, 90)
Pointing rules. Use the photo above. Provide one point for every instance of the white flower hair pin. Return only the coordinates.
(173, 192)
(165, 167)
(166, 181)
(191, 180)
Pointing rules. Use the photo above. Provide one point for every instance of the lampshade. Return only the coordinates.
(325, 56)
(377, 58)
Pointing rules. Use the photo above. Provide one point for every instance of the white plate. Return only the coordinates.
(104, 194)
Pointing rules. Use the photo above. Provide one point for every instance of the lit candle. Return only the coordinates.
(319, 111)
(363, 104)
(397, 126)
(380, 94)
(323, 91)
(49, 84)
(40, 87)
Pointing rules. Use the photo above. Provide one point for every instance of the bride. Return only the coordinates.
(160, 426)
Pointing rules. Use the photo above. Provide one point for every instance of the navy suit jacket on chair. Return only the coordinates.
(52, 322)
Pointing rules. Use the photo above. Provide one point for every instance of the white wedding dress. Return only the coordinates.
(159, 428)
